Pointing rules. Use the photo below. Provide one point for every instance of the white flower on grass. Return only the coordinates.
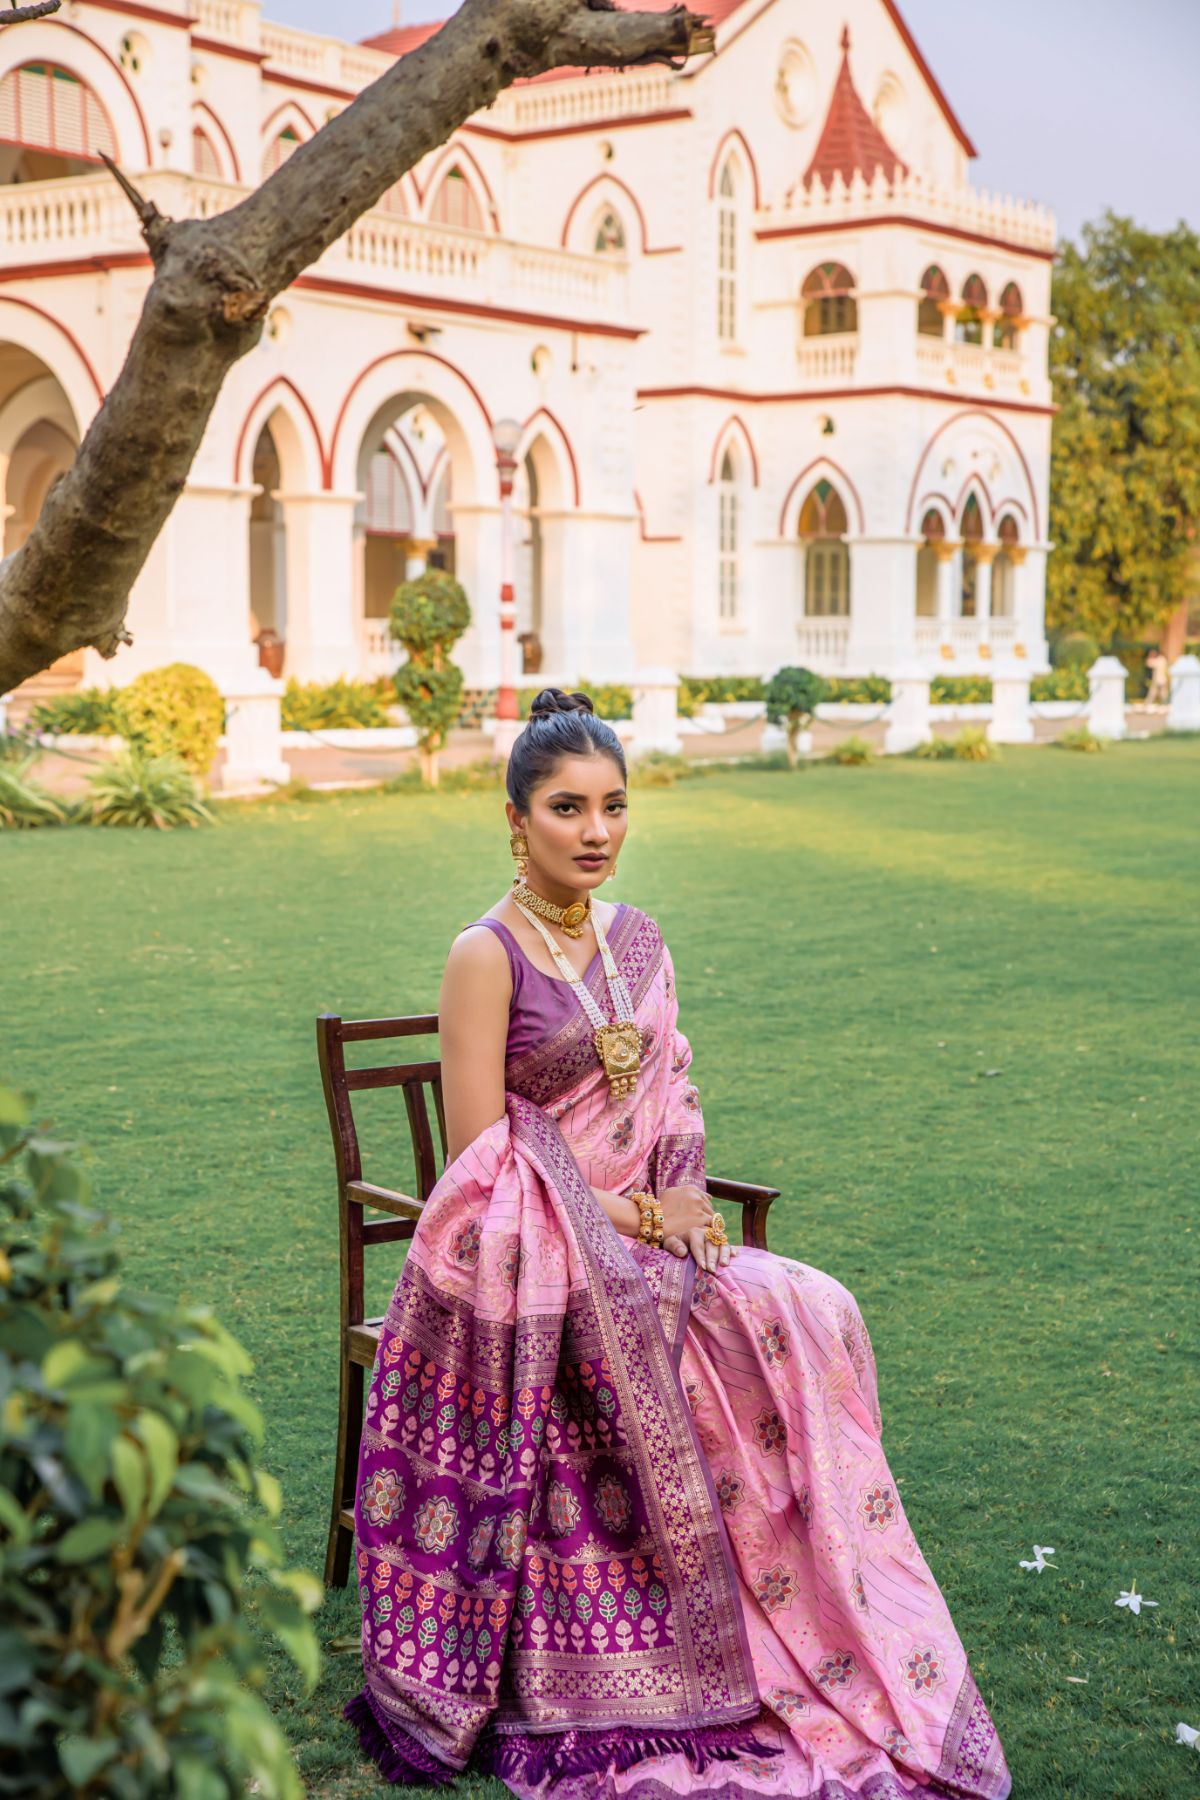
(1133, 1600)
(1040, 1553)
(1187, 1734)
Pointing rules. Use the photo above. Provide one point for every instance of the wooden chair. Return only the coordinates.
(360, 1335)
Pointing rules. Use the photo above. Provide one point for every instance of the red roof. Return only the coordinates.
(850, 143)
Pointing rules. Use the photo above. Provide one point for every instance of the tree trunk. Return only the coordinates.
(68, 585)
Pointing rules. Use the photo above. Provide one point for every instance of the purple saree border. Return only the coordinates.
(704, 1595)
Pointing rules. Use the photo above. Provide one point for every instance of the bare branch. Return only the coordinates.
(40, 10)
(68, 585)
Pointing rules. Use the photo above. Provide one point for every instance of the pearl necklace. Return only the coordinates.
(618, 1044)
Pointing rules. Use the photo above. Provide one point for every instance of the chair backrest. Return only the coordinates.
(340, 1085)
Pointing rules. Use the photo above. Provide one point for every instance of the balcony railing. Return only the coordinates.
(829, 358)
(46, 221)
(821, 643)
(962, 208)
(963, 637)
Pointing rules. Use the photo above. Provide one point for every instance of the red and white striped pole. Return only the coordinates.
(506, 435)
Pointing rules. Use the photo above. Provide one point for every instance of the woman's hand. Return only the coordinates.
(687, 1211)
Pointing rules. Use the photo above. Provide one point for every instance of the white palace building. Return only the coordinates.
(779, 371)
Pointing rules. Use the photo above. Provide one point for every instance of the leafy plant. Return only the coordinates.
(852, 753)
(18, 747)
(960, 690)
(1079, 737)
(1067, 682)
(428, 615)
(176, 711)
(147, 792)
(91, 712)
(660, 768)
(972, 744)
(860, 689)
(131, 1542)
(696, 691)
(792, 696)
(336, 705)
(25, 804)
(934, 749)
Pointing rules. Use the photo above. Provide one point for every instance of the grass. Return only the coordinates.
(949, 1009)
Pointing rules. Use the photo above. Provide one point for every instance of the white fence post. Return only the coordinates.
(1106, 697)
(1183, 714)
(253, 746)
(908, 711)
(4, 700)
(655, 712)
(1010, 722)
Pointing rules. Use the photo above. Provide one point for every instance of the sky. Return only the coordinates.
(1081, 104)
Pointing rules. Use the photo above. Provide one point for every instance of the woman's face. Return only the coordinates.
(576, 823)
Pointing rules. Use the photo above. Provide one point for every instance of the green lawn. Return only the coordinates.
(951, 1010)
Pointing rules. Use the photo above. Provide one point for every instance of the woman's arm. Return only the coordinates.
(473, 1033)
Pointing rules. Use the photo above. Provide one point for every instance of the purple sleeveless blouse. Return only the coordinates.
(541, 1004)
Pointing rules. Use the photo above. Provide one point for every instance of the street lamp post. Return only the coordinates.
(506, 435)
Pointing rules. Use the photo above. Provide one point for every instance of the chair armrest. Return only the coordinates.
(754, 1200)
(401, 1206)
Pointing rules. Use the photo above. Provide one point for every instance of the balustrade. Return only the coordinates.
(822, 642)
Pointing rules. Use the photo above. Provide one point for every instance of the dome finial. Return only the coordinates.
(846, 38)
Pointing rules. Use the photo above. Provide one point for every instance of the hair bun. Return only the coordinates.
(554, 700)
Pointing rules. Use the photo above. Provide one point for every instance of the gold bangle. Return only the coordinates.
(650, 1213)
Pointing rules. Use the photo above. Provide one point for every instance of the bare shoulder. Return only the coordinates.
(477, 959)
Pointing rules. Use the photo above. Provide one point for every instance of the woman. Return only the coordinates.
(625, 1527)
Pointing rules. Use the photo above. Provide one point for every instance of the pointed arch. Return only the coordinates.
(973, 412)
(198, 106)
(820, 468)
(534, 427)
(456, 152)
(282, 395)
(432, 375)
(733, 139)
(40, 41)
(736, 427)
(974, 484)
(290, 111)
(605, 180)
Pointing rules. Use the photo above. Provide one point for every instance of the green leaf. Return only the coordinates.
(14, 1519)
(67, 1358)
(14, 1107)
(269, 1493)
(90, 1429)
(303, 1585)
(196, 1779)
(161, 1445)
(91, 1537)
(82, 1758)
(286, 1622)
(130, 1475)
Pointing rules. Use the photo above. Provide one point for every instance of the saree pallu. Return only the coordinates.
(624, 1529)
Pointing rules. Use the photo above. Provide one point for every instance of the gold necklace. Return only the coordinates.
(571, 918)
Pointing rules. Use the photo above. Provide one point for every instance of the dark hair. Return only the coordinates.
(558, 725)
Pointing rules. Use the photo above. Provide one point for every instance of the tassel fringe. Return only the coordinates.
(532, 1758)
(400, 1757)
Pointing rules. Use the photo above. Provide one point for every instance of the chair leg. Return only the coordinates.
(345, 1472)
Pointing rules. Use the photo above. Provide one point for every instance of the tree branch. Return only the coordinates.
(68, 585)
(19, 14)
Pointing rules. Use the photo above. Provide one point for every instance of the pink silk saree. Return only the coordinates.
(625, 1529)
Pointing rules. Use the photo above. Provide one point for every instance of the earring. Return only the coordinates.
(520, 850)
(613, 873)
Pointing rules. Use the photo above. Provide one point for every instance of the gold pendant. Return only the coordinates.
(574, 918)
(619, 1048)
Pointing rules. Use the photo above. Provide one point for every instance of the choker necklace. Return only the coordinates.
(571, 918)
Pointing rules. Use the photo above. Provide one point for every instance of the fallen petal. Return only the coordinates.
(1187, 1734)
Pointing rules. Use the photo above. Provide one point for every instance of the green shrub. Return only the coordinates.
(1068, 682)
(851, 753)
(24, 804)
(792, 696)
(1073, 649)
(90, 712)
(1079, 737)
(660, 768)
(151, 792)
(18, 748)
(132, 1546)
(428, 615)
(972, 744)
(934, 749)
(173, 711)
(343, 705)
(696, 691)
(960, 690)
(861, 689)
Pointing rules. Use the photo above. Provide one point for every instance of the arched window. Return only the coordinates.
(1008, 325)
(727, 248)
(608, 239)
(968, 328)
(829, 303)
(455, 203)
(935, 291)
(933, 532)
(51, 124)
(205, 160)
(826, 556)
(1004, 569)
(285, 145)
(727, 540)
(972, 535)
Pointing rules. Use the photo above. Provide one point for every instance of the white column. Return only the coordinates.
(883, 575)
(1010, 722)
(253, 745)
(908, 712)
(1183, 714)
(1106, 701)
(655, 711)
(588, 617)
(945, 552)
(206, 553)
(416, 556)
(985, 555)
(322, 637)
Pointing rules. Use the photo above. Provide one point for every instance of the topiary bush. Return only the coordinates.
(91, 712)
(344, 705)
(173, 711)
(133, 1545)
(792, 696)
(144, 792)
(428, 615)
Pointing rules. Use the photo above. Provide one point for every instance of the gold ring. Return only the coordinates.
(715, 1231)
